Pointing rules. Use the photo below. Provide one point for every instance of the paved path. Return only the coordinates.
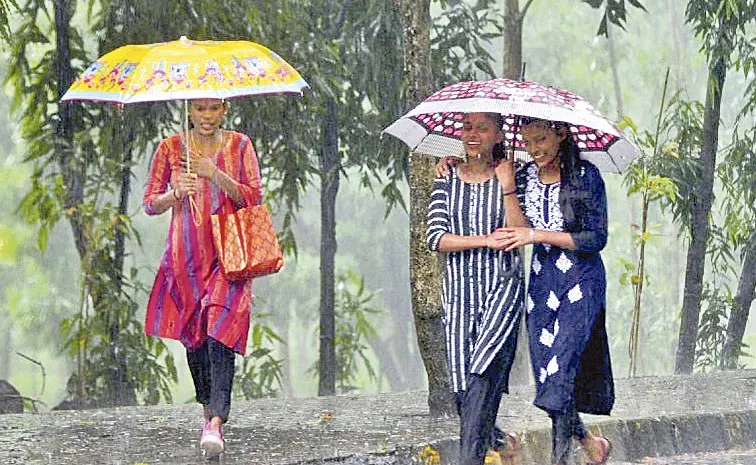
(654, 416)
(730, 457)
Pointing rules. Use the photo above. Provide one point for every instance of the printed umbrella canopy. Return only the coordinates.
(434, 127)
(185, 69)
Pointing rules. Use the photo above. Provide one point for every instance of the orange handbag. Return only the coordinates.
(246, 243)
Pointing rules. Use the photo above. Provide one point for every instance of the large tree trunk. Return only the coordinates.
(699, 232)
(73, 173)
(425, 276)
(739, 317)
(124, 391)
(329, 171)
(512, 59)
(513, 69)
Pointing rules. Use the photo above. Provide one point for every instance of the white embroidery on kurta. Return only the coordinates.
(547, 338)
(563, 263)
(553, 302)
(531, 304)
(536, 265)
(550, 369)
(575, 294)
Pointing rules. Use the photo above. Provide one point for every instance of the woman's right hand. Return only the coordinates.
(186, 185)
(442, 167)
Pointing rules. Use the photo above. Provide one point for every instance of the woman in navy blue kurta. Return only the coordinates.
(483, 286)
(561, 210)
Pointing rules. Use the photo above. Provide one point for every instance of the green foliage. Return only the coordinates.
(5, 13)
(615, 12)
(651, 187)
(84, 177)
(459, 40)
(259, 374)
(725, 28)
(712, 329)
(681, 132)
(353, 330)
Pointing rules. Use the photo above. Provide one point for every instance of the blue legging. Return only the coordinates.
(565, 426)
(212, 368)
(479, 405)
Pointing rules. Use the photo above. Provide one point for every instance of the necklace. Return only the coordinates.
(211, 153)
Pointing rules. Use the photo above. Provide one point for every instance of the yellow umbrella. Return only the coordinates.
(185, 69)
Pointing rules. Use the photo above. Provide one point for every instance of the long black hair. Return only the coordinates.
(572, 188)
(569, 152)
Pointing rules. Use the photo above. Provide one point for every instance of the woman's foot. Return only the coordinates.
(211, 437)
(509, 449)
(597, 449)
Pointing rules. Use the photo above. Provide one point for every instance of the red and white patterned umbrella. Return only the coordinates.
(434, 127)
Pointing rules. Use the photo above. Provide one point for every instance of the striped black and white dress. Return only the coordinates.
(483, 288)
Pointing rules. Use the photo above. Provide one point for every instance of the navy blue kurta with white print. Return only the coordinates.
(566, 297)
(483, 288)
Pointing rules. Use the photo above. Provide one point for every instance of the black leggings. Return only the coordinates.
(478, 407)
(565, 426)
(212, 368)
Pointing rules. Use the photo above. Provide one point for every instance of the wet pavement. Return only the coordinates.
(730, 457)
(653, 417)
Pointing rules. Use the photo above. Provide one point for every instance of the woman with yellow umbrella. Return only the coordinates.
(194, 174)
(191, 300)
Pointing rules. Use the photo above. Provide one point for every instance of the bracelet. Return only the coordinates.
(175, 194)
(513, 191)
(531, 235)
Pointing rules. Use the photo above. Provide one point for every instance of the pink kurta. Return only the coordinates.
(191, 299)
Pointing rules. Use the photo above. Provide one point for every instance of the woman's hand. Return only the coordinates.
(200, 164)
(512, 238)
(186, 185)
(442, 167)
(497, 240)
(504, 170)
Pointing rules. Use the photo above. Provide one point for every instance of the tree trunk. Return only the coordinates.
(696, 259)
(124, 391)
(739, 317)
(329, 172)
(425, 276)
(513, 69)
(615, 70)
(73, 174)
(512, 59)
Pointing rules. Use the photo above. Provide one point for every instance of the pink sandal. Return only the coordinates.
(606, 449)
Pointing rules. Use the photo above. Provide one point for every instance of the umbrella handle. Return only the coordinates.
(192, 203)
(186, 132)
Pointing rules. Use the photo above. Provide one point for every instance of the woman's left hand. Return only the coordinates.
(200, 164)
(512, 238)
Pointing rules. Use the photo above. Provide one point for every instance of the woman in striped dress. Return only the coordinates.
(482, 289)
(191, 300)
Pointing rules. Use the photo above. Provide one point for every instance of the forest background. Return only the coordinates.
(47, 309)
